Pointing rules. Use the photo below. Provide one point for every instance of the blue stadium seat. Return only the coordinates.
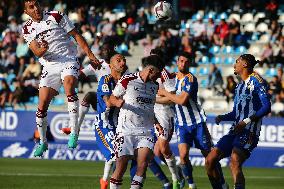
(216, 60)
(222, 16)
(229, 61)
(228, 50)
(203, 83)
(10, 78)
(204, 60)
(271, 72)
(58, 101)
(214, 49)
(203, 71)
(240, 50)
(193, 70)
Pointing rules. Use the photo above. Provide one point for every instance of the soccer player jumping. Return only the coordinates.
(48, 36)
(251, 104)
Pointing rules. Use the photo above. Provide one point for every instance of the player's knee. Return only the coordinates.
(209, 162)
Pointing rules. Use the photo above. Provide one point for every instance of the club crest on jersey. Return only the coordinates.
(105, 88)
(187, 87)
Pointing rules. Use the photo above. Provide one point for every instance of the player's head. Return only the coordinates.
(118, 63)
(183, 62)
(157, 51)
(245, 62)
(153, 64)
(107, 51)
(33, 9)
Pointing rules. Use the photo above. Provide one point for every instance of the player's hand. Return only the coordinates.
(159, 129)
(162, 92)
(239, 127)
(96, 64)
(218, 119)
(43, 44)
(119, 103)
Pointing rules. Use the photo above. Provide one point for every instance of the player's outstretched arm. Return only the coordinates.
(84, 45)
(38, 48)
(115, 101)
(163, 100)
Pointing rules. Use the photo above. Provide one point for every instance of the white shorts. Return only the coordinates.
(127, 144)
(53, 75)
(167, 122)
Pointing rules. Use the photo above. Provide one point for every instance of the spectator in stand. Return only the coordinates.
(186, 42)
(215, 79)
(22, 52)
(210, 29)
(18, 96)
(12, 25)
(198, 30)
(32, 71)
(221, 33)
(234, 32)
(271, 9)
(266, 56)
(230, 88)
(5, 92)
(274, 31)
(275, 88)
(132, 31)
(60, 6)
(280, 76)
(148, 44)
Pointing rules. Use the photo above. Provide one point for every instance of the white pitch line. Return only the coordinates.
(151, 176)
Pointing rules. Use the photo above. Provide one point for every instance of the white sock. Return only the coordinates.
(73, 106)
(41, 123)
(171, 162)
(115, 184)
(137, 182)
(83, 110)
(107, 168)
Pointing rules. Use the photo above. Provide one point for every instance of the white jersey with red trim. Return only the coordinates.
(167, 82)
(53, 28)
(136, 116)
(104, 70)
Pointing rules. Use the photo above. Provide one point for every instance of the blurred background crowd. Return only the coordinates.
(215, 36)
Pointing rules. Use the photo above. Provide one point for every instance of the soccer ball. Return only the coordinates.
(163, 10)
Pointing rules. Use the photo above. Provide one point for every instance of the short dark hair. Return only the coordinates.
(250, 60)
(186, 55)
(153, 60)
(157, 51)
(25, 1)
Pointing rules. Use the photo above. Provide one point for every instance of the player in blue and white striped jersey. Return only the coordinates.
(251, 104)
(190, 120)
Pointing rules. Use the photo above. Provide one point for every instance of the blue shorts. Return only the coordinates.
(198, 134)
(105, 139)
(245, 141)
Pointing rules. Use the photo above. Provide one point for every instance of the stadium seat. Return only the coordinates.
(235, 16)
(10, 78)
(208, 105)
(255, 50)
(204, 60)
(281, 19)
(214, 50)
(216, 60)
(193, 70)
(229, 61)
(203, 71)
(222, 16)
(207, 93)
(271, 72)
(228, 50)
(249, 27)
(240, 50)
(203, 83)
(259, 70)
(265, 38)
(277, 107)
(58, 101)
(248, 17)
(262, 27)
(258, 16)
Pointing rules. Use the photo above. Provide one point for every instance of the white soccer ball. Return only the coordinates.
(163, 10)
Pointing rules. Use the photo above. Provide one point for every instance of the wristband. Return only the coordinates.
(247, 120)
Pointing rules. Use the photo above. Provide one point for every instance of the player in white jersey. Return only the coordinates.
(48, 36)
(251, 104)
(164, 113)
(136, 120)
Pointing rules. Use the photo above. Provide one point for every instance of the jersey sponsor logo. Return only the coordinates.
(144, 100)
(105, 88)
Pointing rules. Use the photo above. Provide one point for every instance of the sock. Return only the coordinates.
(158, 172)
(215, 183)
(133, 168)
(73, 106)
(219, 169)
(107, 168)
(83, 110)
(41, 123)
(137, 182)
(187, 172)
(171, 162)
(239, 186)
(115, 183)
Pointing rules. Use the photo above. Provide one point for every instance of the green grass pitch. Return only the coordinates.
(54, 174)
